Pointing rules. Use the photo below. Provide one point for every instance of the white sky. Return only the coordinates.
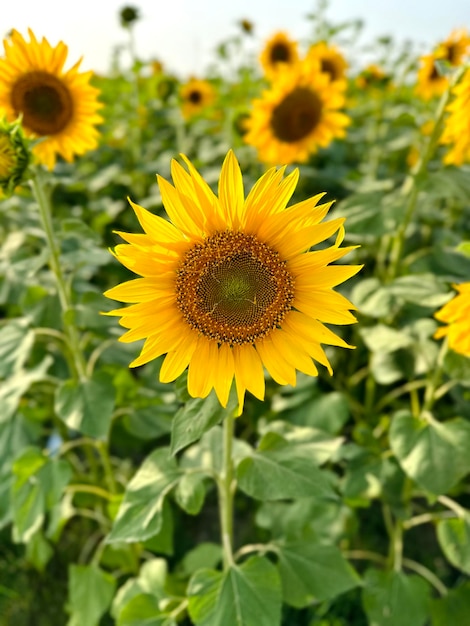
(184, 33)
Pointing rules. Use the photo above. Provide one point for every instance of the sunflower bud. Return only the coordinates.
(128, 15)
(14, 156)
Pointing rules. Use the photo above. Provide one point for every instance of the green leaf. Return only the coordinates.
(37, 487)
(151, 580)
(279, 470)
(87, 406)
(162, 542)
(313, 572)
(90, 593)
(432, 453)
(454, 538)
(453, 609)
(144, 610)
(16, 341)
(246, 595)
(204, 555)
(423, 289)
(140, 514)
(38, 551)
(372, 298)
(384, 339)
(13, 389)
(394, 599)
(196, 417)
(190, 493)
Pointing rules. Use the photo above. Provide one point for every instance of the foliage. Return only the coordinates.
(351, 499)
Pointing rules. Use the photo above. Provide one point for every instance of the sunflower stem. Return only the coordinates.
(45, 214)
(412, 184)
(226, 492)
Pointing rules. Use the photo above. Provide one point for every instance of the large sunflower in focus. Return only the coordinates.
(196, 95)
(229, 285)
(456, 132)
(456, 314)
(279, 50)
(56, 105)
(298, 114)
(453, 50)
(330, 59)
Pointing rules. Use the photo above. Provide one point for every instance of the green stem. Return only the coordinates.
(45, 213)
(226, 492)
(430, 395)
(411, 186)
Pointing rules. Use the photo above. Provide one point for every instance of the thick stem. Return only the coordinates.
(411, 186)
(45, 213)
(226, 492)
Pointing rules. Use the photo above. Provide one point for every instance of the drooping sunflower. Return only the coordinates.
(229, 285)
(298, 114)
(454, 49)
(56, 105)
(456, 133)
(330, 58)
(196, 95)
(456, 314)
(279, 50)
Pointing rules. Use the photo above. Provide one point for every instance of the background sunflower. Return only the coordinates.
(58, 106)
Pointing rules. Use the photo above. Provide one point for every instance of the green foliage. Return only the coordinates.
(342, 501)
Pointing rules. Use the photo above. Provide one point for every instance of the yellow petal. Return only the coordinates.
(201, 368)
(224, 373)
(231, 193)
(178, 360)
(281, 371)
(249, 374)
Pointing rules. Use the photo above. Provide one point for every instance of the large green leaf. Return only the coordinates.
(90, 593)
(37, 486)
(150, 581)
(312, 571)
(196, 417)
(140, 515)
(16, 341)
(432, 453)
(13, 389)
(87, 405)
(245, 595)
(453, 609)
(454, 538)
(279, 469)
(394, 599)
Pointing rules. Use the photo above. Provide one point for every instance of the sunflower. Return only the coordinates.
(331, 60)
(196, 95)
(278, 51)
(14, 156)
(59, 106)
(298, 114)
(229, 286)
(456, 131)
(456, 314)
(373, 77)
(453, 50)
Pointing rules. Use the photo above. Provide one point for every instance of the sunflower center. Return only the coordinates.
(279, 53)
(297, 115)
(44, 101)
(329, 67)
(233, 288)
(195, 97)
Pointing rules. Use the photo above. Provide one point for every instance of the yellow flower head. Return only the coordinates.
(229, 286)
(280, 50)
(298, 114)
(59, 106)
(331, 60)
(456, 314)
(453, 50)
(372, 77)
(196, 95)
(456, 133)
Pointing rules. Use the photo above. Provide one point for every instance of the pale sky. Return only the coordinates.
(184, 33)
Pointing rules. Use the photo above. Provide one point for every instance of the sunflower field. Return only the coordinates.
(235, 334)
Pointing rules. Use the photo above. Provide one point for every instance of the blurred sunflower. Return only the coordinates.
(456, 314)
(196, 95)
(297, 115)
(330, 58)
(59, 106)
(456, 131)
(372, 77)
(453, 50)
(230, 285)
(278, 51)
